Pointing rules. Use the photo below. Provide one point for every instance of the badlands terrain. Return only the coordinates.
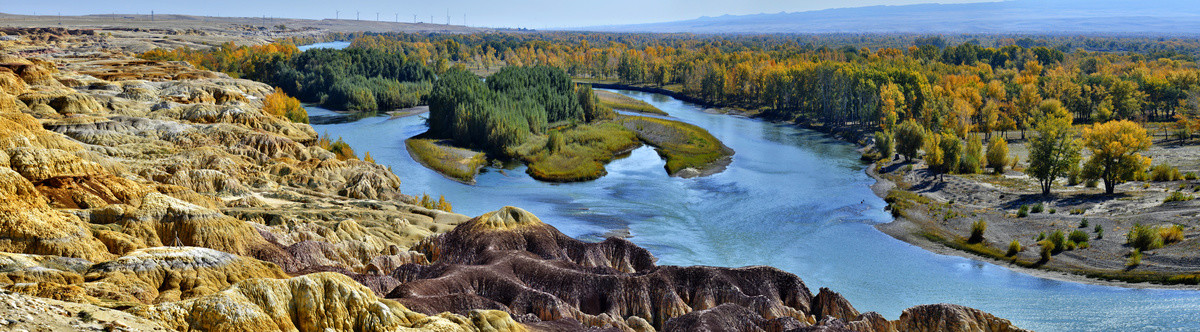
(143, 195)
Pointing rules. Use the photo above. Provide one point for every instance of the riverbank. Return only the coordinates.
(949, 207)
(454, 163)
(580, 152)
(937, 214)
(622, 102)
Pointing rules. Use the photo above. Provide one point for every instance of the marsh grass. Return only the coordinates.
(457, 163)
(626, 103)
(682, 145)
(576, 153)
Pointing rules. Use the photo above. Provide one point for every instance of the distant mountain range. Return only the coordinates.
(1171, 17)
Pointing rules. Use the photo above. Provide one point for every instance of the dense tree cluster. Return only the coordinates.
(943, 95)
(982, 83)
(351, 79)
(503, 111)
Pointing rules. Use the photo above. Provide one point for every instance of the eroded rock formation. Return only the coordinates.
(165, 191)
(511, 261)
(316, 302)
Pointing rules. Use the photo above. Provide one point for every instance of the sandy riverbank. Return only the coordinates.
(915, 229)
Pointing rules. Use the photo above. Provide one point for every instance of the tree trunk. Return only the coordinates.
(1109, 181)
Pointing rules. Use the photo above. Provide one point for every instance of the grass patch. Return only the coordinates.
(626, 103)
(1178, 197)
(454, 162)
(575, 153)
(683, 145)
(900, 201)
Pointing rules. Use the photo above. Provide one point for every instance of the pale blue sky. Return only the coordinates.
(492, 13)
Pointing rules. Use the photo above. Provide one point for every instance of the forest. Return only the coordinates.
(503, 111)
(838, 81)
(950, 88)
(359, 80)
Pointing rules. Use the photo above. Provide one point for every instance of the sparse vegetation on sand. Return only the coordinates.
(622, 102)
(682, 145)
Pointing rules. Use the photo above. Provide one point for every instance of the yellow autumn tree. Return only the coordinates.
(891, 105)
(1115, 146)
(281, 105)
(443, 205)
(1027, 104)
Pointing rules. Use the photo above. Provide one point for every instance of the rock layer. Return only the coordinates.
(315, 302)
(509, 260)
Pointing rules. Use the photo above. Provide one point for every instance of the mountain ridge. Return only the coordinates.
(1018, 16)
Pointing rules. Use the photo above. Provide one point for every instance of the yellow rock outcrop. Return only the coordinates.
(164, 274)
(29, 225)
(316, 302)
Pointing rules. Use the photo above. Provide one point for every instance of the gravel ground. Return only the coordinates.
(957, 201)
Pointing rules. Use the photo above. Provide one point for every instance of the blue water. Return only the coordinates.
(793, 199)
(333, 45)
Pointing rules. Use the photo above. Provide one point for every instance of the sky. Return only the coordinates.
(537, 14)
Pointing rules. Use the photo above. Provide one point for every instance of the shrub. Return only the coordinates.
(1078, 236)
(595, 109)
(1077, 211)
(1013, 248)
(1090, 183)
(1037, 208)
(1069, 245)
(1023, 211)
(977, 229)
(85, 316)
(443, 205)
(1164, 172)
(1048, 249)
(1074, 175)
(1177, 196)
(555, 142)
(910, 137)
(1190, 176)
(1135, 259)
(972, 159)
(1099, 232)
(1053, 211)
(1143, 237)
(340, 148)
(281, 105)
(1041, 236)
(1058, 239)
(997, 154)
(1085, 245)
(1084, 223)
(1171, 234)
(885, 145)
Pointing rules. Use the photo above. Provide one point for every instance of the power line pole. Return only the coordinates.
(151, 16)
(337, 14)
(464, 20)
(376, 16)
(414, 18)
(447, 16)
(397, 17)
(356, 15)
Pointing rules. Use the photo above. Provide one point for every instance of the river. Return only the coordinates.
(792, 198)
